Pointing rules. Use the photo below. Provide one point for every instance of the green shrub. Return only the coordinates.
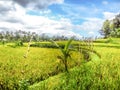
(46, 45)
(19, 43)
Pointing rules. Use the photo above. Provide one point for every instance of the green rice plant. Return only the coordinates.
(97, 74)
(23, 84)
(86, 48)
(41, 64)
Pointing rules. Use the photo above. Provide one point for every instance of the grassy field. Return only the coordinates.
(42, 65)
(98, 74)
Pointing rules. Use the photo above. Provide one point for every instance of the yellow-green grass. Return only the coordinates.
(40, 64)
(98, 74)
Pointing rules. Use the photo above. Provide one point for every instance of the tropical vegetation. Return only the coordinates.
(111, 28)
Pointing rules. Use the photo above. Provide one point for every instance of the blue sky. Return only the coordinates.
(57, 17)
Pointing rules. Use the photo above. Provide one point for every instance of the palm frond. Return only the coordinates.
(68, 44)
(63, 52)
(53, 42)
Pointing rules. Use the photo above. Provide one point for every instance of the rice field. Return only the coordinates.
(41, 70)
(40, 64)
(98, 74)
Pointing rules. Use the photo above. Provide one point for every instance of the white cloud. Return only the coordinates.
(62, 33)
(109, 15)
(92, 24)
(43, 24)
(105, 2)
(6, 7)
(91, 33)
(14, 16)
(18, 19)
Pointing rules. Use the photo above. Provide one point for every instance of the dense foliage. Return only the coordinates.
(24, 36)
(111, 28)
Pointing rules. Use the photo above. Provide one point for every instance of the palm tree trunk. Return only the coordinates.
(66, 66)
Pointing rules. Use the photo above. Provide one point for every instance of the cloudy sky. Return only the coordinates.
(57, 17)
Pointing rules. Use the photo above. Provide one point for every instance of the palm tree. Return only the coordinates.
(65, 53)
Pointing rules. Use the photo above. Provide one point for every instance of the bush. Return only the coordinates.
(46, 45)
(19, 43)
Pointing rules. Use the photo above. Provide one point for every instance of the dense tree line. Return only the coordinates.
(11, 36)
(19, 35)
(111, 28)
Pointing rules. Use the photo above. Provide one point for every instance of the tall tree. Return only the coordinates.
(116, 21)
(106, 29)
(115, 26)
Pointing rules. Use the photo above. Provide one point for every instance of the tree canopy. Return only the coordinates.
(111, 28)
